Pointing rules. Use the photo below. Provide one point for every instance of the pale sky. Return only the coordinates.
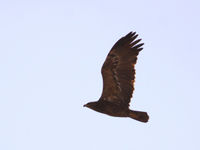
(51, 54)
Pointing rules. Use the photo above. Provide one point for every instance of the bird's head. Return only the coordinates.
(91, 105)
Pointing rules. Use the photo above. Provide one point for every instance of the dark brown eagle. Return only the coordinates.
(118, 73)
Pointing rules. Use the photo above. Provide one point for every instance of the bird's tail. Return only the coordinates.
(139, 115)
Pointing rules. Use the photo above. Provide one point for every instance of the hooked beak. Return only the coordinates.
(85, 105)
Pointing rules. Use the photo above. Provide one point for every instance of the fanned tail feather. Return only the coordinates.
(139, 115)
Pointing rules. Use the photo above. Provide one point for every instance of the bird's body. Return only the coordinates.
(118, 74)
(109, 108)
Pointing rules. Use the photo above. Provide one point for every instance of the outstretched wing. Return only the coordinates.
(118, 70)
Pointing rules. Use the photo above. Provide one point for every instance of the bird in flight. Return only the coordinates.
(118, 72)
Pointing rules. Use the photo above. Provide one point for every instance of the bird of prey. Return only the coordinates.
(118, 72)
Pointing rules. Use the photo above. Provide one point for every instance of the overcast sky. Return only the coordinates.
(51, 54)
